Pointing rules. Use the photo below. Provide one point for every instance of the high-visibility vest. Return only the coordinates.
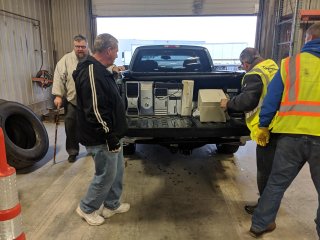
(299, 111)
(266, 70)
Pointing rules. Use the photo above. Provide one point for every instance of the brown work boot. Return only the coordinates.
(250, 208)
(257, 233)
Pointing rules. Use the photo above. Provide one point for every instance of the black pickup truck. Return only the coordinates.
(152, 90)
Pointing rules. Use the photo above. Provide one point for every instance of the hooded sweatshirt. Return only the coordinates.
(100, 108)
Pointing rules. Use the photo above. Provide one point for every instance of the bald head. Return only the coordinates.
(313, 32)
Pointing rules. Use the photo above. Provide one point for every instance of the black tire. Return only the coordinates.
(26, 138)
(129, 148)
(227, 148)
(2, 101)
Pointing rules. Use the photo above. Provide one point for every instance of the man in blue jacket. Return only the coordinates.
(294, 93)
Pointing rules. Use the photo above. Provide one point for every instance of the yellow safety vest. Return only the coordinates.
(299, 111)
(266, 70)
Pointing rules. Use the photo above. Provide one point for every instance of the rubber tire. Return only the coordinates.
(2, 101)
(227, 148)
(25, 136)
(129, 149)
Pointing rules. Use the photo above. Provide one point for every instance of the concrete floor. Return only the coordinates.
(172, 196)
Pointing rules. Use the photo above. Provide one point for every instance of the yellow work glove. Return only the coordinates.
(262, 136)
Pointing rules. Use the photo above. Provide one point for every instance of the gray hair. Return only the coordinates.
(314, 30)
(79, 38)
(249, 55)
(104, 41)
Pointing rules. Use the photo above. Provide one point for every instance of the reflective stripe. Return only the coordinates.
(300, 108)
(265, 76)
(8, 192)
(249, 114)
(11, 229)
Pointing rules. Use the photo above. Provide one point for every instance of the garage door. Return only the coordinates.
(122, 8)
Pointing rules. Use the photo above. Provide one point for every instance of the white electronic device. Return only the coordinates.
(174, 101)
(209, 105)
(187, 95)
(132, 94)
(160, 101)
(146, 98)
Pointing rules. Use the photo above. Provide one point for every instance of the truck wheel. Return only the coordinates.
(227, 148)
(129, 148)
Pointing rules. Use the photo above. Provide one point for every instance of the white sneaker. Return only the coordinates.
(93, 218)
(124, 207)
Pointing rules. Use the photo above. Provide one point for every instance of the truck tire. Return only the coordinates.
(129, 148)
(25, 136)
(227, 148)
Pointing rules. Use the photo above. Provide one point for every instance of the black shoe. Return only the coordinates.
(250, 208)
(72, 158)
(256, 234)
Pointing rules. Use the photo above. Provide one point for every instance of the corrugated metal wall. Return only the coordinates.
(24, 51)
(70, 18)
(21, 52)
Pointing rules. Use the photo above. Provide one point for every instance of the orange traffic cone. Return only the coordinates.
(10, 209)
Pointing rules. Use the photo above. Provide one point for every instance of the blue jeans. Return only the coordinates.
(106, 186)
(292, 152)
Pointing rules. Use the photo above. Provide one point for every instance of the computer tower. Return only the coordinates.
(132, 95)
(187, 96)
(160, 101)
(146, 98)
(174, 96)
(174, 101)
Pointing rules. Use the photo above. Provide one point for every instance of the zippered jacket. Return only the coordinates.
(100, 108)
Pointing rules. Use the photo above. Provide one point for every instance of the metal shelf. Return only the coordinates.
(310, 15)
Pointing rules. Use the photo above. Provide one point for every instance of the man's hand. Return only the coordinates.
(117, 69)
(263, 136)
(113, 143)
(223, 104)
(58, 102)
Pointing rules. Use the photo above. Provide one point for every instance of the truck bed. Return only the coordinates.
(183, 127)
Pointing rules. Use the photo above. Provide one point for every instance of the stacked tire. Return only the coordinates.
(25, 136)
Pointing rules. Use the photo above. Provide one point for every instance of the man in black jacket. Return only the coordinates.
(102, 123)
(259, 72)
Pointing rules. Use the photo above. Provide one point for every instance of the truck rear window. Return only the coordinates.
(171, 60)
